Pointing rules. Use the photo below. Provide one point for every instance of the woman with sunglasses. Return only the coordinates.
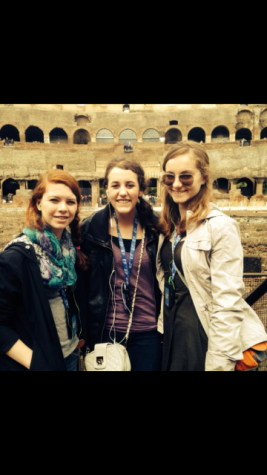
(113, 239)
(206, 325)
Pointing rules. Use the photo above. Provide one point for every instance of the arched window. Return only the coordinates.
(34, 134)
(58, 135)
(221, 184)
(150, 135)
(197, 135)
(85, 187)
(173, 136)
(11, 132)
(264, 133)
(247, 186)
(244, 136)
(264, 187)
(10, 186)
(243, 120)
(127, 135)
(220, 134)
(126, 108)
(32, 184)
(81, 137)
(104, 135)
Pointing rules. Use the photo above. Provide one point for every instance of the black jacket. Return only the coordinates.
(25, 312)
(97, 246)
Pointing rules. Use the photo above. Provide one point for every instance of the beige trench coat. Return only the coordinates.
(212, 260)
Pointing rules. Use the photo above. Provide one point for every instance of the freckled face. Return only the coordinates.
(58, 207)
(123, 190)
(181, 193)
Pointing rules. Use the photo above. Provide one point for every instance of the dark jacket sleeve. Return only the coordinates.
(9, 296)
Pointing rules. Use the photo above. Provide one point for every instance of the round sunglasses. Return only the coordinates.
(185, 178)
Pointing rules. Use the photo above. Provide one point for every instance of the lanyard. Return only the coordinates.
(175, 240)
(127, 268)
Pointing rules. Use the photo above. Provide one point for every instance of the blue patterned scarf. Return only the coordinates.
(56, 258)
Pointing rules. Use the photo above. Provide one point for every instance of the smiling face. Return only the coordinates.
(183, 193)
(58, 207)
(123, 190)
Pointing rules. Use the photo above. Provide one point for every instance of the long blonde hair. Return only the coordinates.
(199, 205)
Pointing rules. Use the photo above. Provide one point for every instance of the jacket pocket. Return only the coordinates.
(38, 362)
(198, 255)
(199, 245)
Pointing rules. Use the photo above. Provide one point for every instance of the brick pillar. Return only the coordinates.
(259, 186)
(95, 192)
(22, 137)
(256, 133)
(233, 182)
(46, 138)
(22, 184)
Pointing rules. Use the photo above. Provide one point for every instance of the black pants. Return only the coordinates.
(144, 349)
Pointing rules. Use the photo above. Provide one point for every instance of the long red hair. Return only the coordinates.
(34, 216)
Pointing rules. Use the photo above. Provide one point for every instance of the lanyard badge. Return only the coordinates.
(125, 287)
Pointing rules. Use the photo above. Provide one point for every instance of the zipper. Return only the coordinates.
(103, 328)
(77, 306)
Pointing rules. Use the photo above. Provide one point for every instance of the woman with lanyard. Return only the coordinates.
(40, 322)
(207, 325)
(113, 239)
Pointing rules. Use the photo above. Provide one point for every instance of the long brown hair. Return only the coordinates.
(146, 215)
(199, 204)
(34, 216)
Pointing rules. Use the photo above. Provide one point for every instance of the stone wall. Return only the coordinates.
(253, 228)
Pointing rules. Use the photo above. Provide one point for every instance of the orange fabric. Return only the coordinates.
(260, 346)
(248, 361)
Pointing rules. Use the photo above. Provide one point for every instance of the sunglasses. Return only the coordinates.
(185, 178)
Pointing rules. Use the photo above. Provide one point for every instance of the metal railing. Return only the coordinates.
(256, 296)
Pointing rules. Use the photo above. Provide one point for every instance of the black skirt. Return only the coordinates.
(185, 341)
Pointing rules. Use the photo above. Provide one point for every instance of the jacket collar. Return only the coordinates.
(214, 211)
(98, 230)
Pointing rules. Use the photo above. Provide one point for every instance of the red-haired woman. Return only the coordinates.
(40, 322)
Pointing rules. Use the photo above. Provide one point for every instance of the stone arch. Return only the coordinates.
(9, 185)
(244, 134)
(126, 108)
(105, 136)
(244, 119)
(221, 185)
(81, 137)
(173, 136)
(10, 131)
(150, 135)
(82, 119)
(220, 134)
(264, 133)
(249, 186)
(58, 135)
(263, 119)
(34, 134)
(127, 135)
(197, 134)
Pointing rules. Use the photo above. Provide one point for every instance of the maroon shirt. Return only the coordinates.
(144, 316)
